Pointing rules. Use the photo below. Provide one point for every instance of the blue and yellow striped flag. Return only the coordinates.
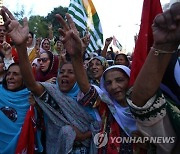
(86, 18)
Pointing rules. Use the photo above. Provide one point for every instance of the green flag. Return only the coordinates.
(86, 18)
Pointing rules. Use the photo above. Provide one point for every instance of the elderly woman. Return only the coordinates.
(115, 110)
(69, 127)
(13, 108)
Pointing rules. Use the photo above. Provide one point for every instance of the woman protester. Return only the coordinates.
(45, 45)
(157, 113)
(31, 46)
(48, 68)
(58, 48)
(73, 45)
(115, 110)
(121, 59)
(69, 127)
(96, 67)
(13, 108)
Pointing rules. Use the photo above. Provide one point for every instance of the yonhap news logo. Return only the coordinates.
(101, 139)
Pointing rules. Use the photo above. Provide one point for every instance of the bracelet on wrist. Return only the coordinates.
(158, 51)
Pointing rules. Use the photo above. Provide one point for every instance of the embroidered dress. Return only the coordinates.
(159, 117)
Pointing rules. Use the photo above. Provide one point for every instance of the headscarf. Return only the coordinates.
(105, 65)
(35, 61)
(103, 61)
(76, 94)
(60, 135)
(122, 115)
(41, 45)
(52, 69)
(73, 92)
(9, 130)
(31, 50)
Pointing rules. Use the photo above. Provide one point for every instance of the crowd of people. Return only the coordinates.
(76, 96)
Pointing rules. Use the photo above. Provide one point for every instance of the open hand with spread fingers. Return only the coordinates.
(71, 40)
(17, 32)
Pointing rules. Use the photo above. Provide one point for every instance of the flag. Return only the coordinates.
(26, 142)
(151, 8)
(116, 43)
(86, 18)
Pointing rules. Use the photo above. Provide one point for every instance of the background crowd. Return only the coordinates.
(55, 96)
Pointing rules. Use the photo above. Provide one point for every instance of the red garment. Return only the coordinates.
(26, 142)
(145, 39)
(113, 130)
(53, 71)
(15, 55)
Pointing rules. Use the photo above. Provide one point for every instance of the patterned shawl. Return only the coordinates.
(60, 135)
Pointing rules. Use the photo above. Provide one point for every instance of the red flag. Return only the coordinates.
(145, 39)
(26, 142)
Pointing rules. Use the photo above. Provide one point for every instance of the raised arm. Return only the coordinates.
(107, 43)
(74, 46)
(19, 34)
(166, 33)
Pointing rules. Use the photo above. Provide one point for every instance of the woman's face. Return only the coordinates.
(96, 69)
(44, 62)
(66, 78)
(60, 46)
(116, 83)
(14, 78)
(120, 60)
(46, 45)
(30, 40)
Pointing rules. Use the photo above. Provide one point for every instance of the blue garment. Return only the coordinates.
(9, 130)
(73, 92)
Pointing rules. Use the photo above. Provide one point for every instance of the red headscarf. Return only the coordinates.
(52, 69)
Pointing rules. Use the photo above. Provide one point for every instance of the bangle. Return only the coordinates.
(158, 51)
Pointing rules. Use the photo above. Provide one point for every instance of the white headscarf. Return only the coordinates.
(122, 115)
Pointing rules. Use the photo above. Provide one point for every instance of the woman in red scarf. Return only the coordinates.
(48, 67)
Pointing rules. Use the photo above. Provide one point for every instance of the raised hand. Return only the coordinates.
(6, 48)
(17, 32)
(166, 29)
(70, 36)
(108, 41)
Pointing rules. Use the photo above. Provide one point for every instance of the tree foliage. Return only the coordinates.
(51, 18)
(39, 24)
